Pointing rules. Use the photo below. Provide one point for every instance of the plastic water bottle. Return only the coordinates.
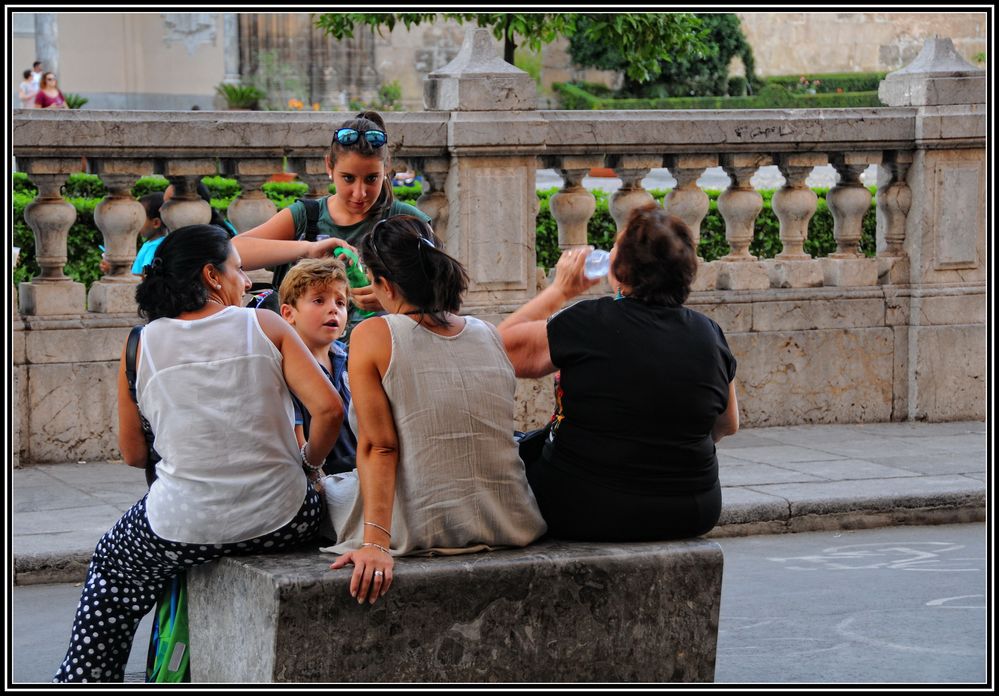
(597, 264)
(355, 275)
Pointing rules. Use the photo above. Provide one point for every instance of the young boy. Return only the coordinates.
(314, 297)
(153, 231)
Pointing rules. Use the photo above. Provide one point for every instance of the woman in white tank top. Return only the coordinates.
(432, 404)
(212, 379)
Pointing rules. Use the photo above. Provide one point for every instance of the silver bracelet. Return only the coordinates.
(378, 526)
(377, 546)
(306, 463)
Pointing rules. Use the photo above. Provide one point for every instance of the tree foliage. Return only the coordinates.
(697, 71)
(645, 41)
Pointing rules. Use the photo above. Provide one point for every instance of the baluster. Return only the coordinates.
(251, 207)
(739, 205)
(433, 200)
(573, 206)
(119, 217)
(690, 203)
(51, 292)
(893, 202)
(631, 169)
(185, 207)
(795, 204)
(848, 201)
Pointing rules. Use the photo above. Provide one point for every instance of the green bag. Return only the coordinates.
(168, 659)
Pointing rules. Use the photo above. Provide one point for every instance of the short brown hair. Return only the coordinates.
(308, 273)
(656, 257)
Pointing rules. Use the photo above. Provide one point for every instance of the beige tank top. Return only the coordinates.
(460, 483)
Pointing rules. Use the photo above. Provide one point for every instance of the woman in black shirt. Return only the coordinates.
(646, 388)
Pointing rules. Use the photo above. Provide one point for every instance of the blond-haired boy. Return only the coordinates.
(314, 297)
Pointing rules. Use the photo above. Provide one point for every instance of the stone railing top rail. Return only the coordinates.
(156, 134)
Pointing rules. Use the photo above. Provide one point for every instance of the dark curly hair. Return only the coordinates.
(171, 283)
(656, 257)
(367, 120)
(405, 250)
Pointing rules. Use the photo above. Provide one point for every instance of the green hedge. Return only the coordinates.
(771, 97)
(84, 237)
(830, 82)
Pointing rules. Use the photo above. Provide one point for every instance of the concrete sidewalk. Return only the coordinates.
(783, 479)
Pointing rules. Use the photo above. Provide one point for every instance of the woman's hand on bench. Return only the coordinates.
(372, 572)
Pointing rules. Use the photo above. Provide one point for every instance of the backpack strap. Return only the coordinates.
(131, 349)
(313, 207)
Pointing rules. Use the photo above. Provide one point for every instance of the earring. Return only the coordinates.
(619, 294)
(218, 287)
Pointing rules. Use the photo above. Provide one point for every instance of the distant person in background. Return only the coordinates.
(27, 90)
(49, 96)
(36, 73)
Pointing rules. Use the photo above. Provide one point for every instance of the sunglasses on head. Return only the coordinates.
(349, 136)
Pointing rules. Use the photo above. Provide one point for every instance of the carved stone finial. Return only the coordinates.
(479, 80)
(938, 75)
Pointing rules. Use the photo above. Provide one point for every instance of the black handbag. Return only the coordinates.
(131, 348)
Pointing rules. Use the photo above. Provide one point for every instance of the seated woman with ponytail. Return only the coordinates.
(433, 407)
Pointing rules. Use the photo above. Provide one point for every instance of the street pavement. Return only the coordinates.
(775, 480)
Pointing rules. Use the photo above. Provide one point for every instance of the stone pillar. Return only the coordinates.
(944, 374)
(631, 169)
(119, 217)
(51, 292)
(494, 137)
(47, 41)
(689, 203)
(230, 38)
(433, 201)
(739, 205)
(795, 204)
(573, 206)
(849, 201)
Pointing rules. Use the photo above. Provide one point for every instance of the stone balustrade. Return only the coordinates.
(838, 339)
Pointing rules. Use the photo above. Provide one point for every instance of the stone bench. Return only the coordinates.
(551, 612)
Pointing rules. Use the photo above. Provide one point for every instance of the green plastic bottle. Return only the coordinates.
(355, 275)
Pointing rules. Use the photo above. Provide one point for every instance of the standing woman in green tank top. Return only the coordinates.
(357, 163)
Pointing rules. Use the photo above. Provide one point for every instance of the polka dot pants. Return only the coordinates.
(127, 574)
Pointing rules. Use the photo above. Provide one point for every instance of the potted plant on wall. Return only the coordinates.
(240, 97)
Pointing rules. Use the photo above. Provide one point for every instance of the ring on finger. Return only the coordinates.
(379, 573)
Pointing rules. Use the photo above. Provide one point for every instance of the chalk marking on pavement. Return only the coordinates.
(943, 602)
(843, 629)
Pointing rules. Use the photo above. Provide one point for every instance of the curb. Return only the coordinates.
(741, 519)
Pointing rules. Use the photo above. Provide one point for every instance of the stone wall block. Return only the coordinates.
(59, 428)
(54, 346)
(818, 314)
(823, 376)
(732, 317)
(849, 272)
(20, 413)
(707, 276)
(794, 274)
(742, 275)
(535, 403)
(948, 371)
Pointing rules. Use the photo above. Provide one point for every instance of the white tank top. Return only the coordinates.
(215, 396)
(460, 483)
